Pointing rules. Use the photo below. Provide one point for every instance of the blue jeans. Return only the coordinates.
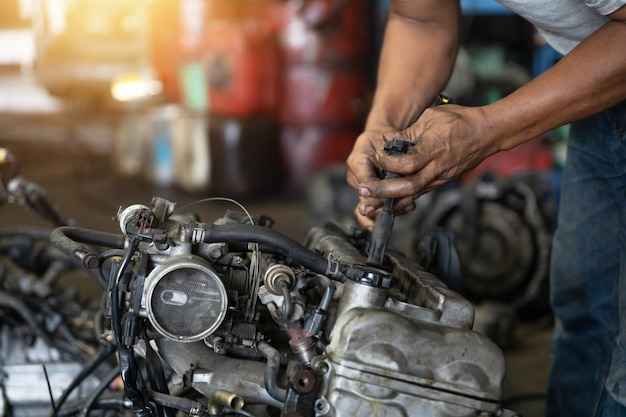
(588, 273)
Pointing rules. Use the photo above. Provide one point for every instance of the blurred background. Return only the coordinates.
(109, 102)
(203, 95)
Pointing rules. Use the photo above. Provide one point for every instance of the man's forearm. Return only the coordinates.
(588, 80)
(416, 61)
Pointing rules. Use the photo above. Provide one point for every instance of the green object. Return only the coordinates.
(194, 86)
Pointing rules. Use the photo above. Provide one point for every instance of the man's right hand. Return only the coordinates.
(364, 167)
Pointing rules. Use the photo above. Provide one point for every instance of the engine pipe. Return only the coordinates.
(95, 361)
(73, 240)
(116, 402)
(186, 405)
(274, 242)
(271, 371)
(93, 398)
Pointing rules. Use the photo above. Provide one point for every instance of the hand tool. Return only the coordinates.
(383, 223)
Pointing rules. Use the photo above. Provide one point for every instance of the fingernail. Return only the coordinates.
(364, 192)
(366, 210)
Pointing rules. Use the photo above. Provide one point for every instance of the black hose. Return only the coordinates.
(131, 376)
(117, 402)
(102, 258)
(73, 241)
(116, 319)
(271, 371)
(93, 398)
(9, 301)
(274, 242)
(156, 376)
(170, 401)
(89, 367)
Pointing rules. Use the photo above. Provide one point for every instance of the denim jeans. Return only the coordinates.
(588, 273)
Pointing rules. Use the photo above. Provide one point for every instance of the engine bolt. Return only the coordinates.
(303, 381)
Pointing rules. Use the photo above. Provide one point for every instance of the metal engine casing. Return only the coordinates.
(392, 355)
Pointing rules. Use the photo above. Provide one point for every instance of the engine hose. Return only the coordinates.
(329, 291)
(287, 303)
(274, 242)
(133, 383)
(116, 319)
(9, 301)
(271, 371)
(132, 378)
(51, 276)
(93, 398)
(102, 258)
(183, 404)
(73, 241)
(156, 376)
(116, 402)
(89, 367)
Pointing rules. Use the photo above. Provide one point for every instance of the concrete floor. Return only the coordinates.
(74, 168)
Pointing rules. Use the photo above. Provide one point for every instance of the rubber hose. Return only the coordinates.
(178, 403)
(273, 241)
(271, 371)
(7, 300)
(89, 367)
(93, 398)
(73, 241)
(109, 403)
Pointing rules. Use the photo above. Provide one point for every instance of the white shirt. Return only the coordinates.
(564, 23)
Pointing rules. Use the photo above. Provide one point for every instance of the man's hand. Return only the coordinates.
(449, 141)
(363, 167)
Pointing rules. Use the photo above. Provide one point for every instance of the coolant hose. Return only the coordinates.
(273, 241)
(271, 371)
(73, 241)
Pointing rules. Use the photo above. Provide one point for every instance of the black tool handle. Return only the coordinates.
(383, 223)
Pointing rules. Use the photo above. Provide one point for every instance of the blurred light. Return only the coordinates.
(129, 87)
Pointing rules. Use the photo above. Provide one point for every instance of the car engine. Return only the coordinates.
(235, 318)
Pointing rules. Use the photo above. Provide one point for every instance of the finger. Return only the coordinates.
(365, 221)
(404, 164)
(388, 188)
(359, 170)
(404, 205)
(369, 206)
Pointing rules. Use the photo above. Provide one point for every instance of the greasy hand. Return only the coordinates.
(363, 168)
(449, 141)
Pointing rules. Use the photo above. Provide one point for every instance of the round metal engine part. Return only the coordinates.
(500, 258)
(185, 299)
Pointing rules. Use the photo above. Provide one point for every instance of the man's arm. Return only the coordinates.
(589, 79)
(450, 140)
(418, 54)
(417, 57)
